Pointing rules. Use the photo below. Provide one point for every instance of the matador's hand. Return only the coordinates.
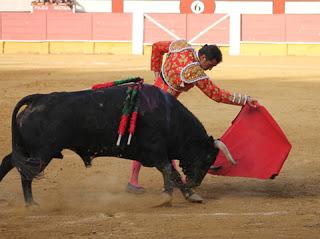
(252, 102)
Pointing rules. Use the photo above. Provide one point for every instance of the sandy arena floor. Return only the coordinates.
(76, 202)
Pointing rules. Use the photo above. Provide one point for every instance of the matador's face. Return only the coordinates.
(207, 64)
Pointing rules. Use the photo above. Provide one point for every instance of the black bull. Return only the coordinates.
(86, 122)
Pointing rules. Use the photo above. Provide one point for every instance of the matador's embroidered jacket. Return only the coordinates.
(181, 71)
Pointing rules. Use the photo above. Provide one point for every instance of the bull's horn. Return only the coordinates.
(220, 145)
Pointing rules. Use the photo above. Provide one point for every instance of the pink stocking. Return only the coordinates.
(135, 169)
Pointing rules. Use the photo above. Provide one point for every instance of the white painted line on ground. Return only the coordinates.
(291, 67)
(227, 214)
(84, 66)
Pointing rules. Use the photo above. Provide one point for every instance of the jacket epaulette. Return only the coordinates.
(192, 73)
(179, 45)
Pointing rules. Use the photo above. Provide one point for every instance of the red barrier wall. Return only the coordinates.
(303, 28)
(218, 34)
(0, 25)
(69, 26)
(267, 28)
(118, 27)
(175, 23)
(23, 26)
(112, 26)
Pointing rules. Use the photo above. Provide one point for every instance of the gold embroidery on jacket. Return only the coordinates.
(179, 45)
(193, 73)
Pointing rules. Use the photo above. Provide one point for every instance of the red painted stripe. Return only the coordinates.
(279, 6)
(117, 6)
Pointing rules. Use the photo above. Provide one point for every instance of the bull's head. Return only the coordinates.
(198, 159)
(203, 155)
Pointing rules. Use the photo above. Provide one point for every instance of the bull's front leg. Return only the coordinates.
(186, 191)
(173, 179)
(190, 195)
(169, 184)
(167, 173)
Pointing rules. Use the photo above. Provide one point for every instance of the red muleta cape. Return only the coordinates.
(256, 142)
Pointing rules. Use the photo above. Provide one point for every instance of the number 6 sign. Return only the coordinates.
(197, 6)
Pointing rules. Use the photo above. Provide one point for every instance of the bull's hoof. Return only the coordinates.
(195, 198)
(32, 204)
(88, 165)
(135, 189)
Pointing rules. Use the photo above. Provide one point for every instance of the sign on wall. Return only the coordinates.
(64, 8)
(197, 6)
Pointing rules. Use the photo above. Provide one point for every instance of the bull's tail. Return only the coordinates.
(6, 166)
(8, 161)
(16, 136)
(20, 156)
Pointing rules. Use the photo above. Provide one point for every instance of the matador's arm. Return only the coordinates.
(220, 95)
(158, 50)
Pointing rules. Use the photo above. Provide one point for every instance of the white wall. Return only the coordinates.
(173, 6)
(247, 7)
(152, 6)
(303, 7)
(93, 5)
(15, 5)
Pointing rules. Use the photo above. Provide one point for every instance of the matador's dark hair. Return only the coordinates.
(211, 52)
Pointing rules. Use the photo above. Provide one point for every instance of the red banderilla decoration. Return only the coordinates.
(131, 105)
